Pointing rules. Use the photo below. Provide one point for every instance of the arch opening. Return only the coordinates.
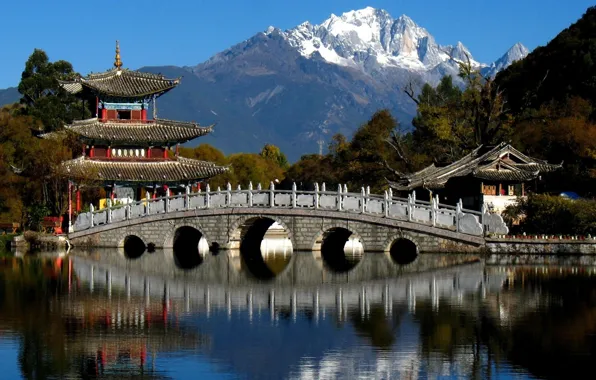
(265, 247)
(190, 247)
(403, 251)
(134, 247)
(341, 250)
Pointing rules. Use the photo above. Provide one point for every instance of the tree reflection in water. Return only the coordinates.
(67, 333)
(542, 322)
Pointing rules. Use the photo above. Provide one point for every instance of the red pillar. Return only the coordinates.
(69, 205)
(92, 152)
(143, 114)
(78, 200)
(149, 152)
(96, 106)
(165, 152)
(104, 113)
(109, 152)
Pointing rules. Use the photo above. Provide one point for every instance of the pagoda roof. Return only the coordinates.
(122, 83)
(500, 163)
(149, 132)
(174, 170)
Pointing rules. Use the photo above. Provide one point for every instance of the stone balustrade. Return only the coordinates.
(454, 218)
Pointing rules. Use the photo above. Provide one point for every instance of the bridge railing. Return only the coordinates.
(410, 209)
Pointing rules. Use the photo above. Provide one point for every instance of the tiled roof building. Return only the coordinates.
(488, 175)
(121, 147)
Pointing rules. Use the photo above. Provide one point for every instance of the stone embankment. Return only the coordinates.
(542, 245)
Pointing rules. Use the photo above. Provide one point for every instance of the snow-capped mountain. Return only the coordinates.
(515, 53)
(371, 39)
(297, 87)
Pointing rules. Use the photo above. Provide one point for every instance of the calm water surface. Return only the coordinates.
(101, 315)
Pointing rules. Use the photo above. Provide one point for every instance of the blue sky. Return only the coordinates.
(187, 32)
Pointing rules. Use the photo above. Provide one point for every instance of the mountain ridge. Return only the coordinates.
(298, 87)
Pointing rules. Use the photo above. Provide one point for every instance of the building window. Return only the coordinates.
(511, 190)
(113, 152)
(119, 153)
(123, 114)
(142, 152)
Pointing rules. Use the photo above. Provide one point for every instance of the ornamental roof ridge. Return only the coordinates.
(432, 176)
(159, 131)
(173, 170)
(127, 72)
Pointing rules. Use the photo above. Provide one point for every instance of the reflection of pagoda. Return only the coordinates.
(121, 146)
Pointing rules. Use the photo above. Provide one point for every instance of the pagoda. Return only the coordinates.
(121, 147)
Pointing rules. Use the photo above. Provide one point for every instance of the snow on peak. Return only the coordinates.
(371, 38)
(515, 53)
(356, 36)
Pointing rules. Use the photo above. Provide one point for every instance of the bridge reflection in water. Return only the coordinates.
(107, 316)
(301, 282)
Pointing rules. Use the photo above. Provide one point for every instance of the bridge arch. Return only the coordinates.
(186, 250)
(133, 247)
(402, 248)
(329, 244)
(247, 234)
(236, 231)
(168, 241)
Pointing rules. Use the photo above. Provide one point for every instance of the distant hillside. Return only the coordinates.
(565, 66)
(9, 95)
(297, 88)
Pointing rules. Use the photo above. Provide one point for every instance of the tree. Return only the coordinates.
(251, 167)
(272, 152)
(451, 122)
(311, 169)
(43, 97)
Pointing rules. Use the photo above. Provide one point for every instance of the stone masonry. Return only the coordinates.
(305, 229)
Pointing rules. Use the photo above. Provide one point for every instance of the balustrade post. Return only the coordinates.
(339, 205)
(323, 189)
(229, 194)
(386, 204)
(167, 205)
(187, 197)
(109, 210)
(390, 194)
(363, 200)
(345, 189)
(259, 188)
(207, 196)
(433, 210)
(294, 195)
(458, 212)
(316, 195)
(147, 203)
(414, 196)
(127, 211)
(91, 209)
(271, 194)
(410, 207)
(482, 211)
(250, 194)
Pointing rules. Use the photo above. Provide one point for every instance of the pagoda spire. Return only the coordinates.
(117, 62)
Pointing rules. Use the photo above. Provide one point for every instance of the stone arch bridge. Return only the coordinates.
(229, 218)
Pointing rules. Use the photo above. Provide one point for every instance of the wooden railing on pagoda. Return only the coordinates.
(454, 218)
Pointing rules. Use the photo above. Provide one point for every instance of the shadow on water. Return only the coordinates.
(106, 316)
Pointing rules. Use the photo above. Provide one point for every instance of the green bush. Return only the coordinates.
(553, 215)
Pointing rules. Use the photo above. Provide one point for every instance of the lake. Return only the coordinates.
(101, 314)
